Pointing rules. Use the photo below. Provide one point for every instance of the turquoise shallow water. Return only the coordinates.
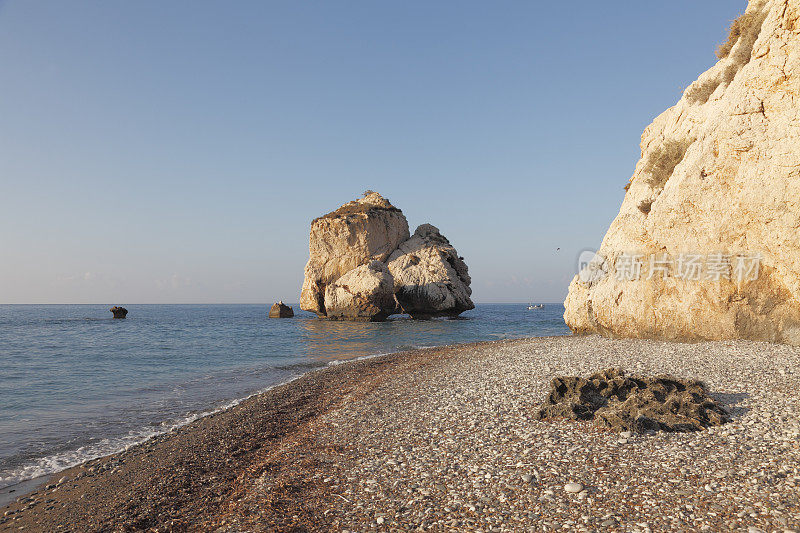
(76, 384)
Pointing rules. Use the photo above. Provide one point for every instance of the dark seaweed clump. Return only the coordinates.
(623, 403)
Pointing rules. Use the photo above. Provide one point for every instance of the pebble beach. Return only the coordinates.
(444, 440)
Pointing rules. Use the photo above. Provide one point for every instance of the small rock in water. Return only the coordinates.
(573, 487)
(119, 312)
(280, 310)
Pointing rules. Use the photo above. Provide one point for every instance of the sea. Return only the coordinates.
(76, 384)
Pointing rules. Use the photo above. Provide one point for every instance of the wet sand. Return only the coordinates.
(23, 488)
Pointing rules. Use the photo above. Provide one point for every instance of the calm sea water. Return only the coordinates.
(76, 384)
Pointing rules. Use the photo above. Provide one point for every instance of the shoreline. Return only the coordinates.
(98, 471)
(99, 422)
(441, 438)
(22, 487)
(7, 496)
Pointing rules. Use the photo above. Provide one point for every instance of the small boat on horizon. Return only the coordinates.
(537, 306)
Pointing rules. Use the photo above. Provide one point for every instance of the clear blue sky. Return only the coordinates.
(176, 151)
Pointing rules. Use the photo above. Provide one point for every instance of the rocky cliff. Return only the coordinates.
(705, 244)
(364, 265)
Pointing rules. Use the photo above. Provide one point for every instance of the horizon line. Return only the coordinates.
(240, 303)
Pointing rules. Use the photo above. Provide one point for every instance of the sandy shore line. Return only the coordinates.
(187, 478)
(442, 439)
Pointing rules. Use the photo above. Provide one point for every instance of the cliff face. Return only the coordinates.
(705, 245)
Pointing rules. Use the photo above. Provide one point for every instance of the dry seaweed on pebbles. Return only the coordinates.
(626, 403)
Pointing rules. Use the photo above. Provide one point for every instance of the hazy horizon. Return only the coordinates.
(176, 153)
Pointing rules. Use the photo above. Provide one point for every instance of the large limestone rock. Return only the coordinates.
(719, 174)
(365, 266)
(360, 231)
(430, 278)
(365, 293)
